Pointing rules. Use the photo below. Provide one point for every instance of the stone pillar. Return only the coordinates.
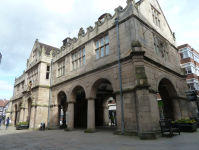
(176, 109)
(21, 116)
(25, 119)
(70, 123)
(91, 114)
(64, 118)
(118, 113)
(32, 118)
(105, 117)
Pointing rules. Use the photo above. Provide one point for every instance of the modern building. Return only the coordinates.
(85, 74)
(3, 107)
(189, 61)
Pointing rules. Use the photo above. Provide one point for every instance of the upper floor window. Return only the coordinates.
(61, 68)
(189, 70)
(186, 54)
(160, 48)
(78, 59)
(102, 47)
(47, 72)
(156, 16)
(156, 45)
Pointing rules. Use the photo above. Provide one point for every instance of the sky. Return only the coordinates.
(50, 21)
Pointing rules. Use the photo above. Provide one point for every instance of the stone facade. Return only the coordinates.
(85, 75)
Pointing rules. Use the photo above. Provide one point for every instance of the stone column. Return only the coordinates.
(118, 113)
(32, 118)
(105, 117)
(176, 109)
(64, 118)
(91, 114)
(70, 123)
(21, 115)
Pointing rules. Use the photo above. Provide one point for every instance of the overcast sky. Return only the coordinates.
(49, 21)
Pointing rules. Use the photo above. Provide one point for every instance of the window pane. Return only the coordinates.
(156, 40)
(63, 70)
(97, 54)
(83, 51)
(186, 54)
(167, 56)
(190, 54)
(58, 73)
(80, 62)
(97, 44)
(64, 63)
(189, 70)
(107, 49)
(102, 52)
(48, 68)
(102, 42)
(73, 57)
(84, 61)
(153, 18)
(80, 53)
(155, 48)
(107, 39)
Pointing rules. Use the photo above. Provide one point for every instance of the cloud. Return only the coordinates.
(5, 87)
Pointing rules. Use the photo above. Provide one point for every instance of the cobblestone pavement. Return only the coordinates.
(12, 139)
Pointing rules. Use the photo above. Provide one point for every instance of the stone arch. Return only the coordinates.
(73, 91)
(164, 76)
(96, 82)
(58, 101)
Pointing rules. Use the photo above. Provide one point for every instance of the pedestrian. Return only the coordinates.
(7, 123)
(0, 122)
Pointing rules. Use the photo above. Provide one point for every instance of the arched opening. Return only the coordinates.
(16, 114)
(105, 104)
(80, 107)
(62, 110)
(165, 99)
(29, 110)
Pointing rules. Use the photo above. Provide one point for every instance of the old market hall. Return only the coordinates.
(81, 76)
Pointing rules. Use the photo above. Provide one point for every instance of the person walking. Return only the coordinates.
(7, 123)
(0, 122)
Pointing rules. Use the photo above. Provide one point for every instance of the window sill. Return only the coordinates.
(101, 57)
(78, 68)
(58, 77)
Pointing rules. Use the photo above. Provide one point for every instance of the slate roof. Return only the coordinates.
(3, 103)
(48, 48)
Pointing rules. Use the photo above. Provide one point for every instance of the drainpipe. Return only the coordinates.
(50, 91)
(121, 95)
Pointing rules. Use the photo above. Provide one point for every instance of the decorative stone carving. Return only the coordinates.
(136, 44)
(81, 32)
(141, 76)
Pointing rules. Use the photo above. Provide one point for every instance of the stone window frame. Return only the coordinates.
(48, 72)
(156, 16)
(61, 68)
(78, 58)
(156, 42)
(98, 47)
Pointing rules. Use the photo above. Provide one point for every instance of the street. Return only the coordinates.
(12, 139)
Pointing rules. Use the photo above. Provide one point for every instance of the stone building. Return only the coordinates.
(85, 75)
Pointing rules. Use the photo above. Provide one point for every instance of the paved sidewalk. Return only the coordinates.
(12, 139)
